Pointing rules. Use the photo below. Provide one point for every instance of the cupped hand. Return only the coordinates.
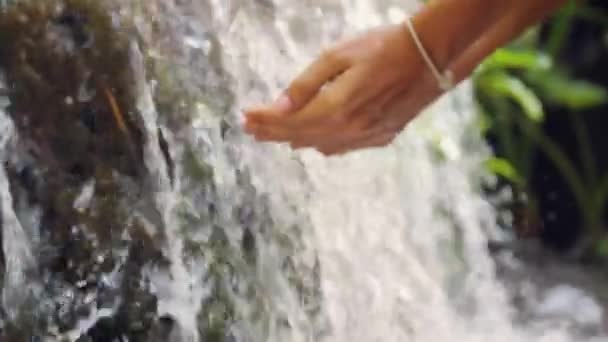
(358, 94)
(361, 93)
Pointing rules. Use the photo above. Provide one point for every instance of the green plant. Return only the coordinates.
(514, 86)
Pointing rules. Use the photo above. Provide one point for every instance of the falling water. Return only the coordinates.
(264, 244)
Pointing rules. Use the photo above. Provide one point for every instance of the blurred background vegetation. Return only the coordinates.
(544, 105)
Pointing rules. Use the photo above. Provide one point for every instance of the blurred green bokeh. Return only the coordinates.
(516, 89)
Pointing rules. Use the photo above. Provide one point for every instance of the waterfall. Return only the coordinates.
(211, 236)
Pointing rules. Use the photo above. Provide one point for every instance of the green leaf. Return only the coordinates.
(601, 247)
(518, 59)
(573, 94)
(502, 84)
(484, 121)
(505, 169)
(601, 192)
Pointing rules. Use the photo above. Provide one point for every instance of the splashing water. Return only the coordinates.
(380, 245)
(400, 234)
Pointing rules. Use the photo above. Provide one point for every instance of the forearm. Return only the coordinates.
(449, 28)
(504, 30)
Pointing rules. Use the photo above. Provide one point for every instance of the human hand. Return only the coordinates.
(362, 106)
(361, 93)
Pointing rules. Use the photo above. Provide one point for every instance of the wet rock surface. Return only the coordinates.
(67, 67)
(550, 290)
(78, 158)
(83, 167)
(89, 159)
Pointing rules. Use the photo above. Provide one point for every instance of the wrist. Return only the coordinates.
(448, 27)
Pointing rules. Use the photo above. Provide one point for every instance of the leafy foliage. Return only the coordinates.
(515, 86)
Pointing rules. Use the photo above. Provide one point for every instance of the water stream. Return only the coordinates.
(221, 238)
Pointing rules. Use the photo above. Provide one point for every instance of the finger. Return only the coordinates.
(263, 134)
(297, 137)
(348, 130)
(337, 137)
(347, 139)
(288, 134)
(266, 132)
(354, 127)
(330, 105)
(379, 140)
(305, 86)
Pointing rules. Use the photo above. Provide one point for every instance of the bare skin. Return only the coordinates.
(362, 92)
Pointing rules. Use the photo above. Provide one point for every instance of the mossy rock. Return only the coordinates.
(71, 89)
(72, 92)
(71, 86)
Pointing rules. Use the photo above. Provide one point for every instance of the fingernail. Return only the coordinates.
(283, 103)
(251, 109)
(249, 127)
(242, 119)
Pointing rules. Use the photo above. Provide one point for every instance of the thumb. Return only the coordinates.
(305, 86)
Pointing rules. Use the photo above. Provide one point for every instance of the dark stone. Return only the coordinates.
(51, 52)
(89, 120)
(76, 23)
